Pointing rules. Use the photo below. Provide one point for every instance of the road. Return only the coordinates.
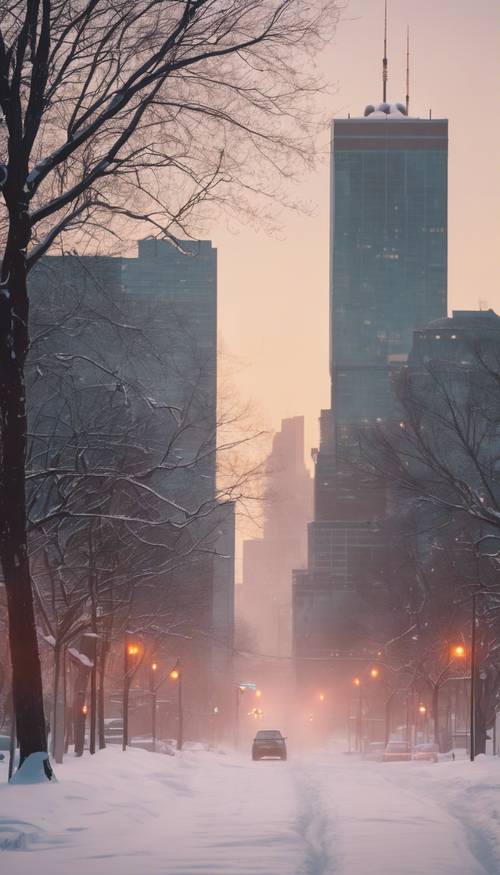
(212, 814)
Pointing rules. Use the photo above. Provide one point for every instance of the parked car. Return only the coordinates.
(427, 752)
(113, 730)
(374, 751)
(269, 743)
(397, 751)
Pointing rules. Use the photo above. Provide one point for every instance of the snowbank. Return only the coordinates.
(139, 813)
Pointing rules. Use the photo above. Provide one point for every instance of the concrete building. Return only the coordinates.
(388, 276)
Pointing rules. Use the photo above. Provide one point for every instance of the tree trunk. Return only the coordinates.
(25, 659)
(57, 747)
(100, 709)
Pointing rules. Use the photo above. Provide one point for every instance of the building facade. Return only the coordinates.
(388, 276)
(141, 333)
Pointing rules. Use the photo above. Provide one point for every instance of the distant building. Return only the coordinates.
(164, 303)
(388, 276)
(265, 595)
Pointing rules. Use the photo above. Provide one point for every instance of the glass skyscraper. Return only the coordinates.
(388, 251)
(388, 276)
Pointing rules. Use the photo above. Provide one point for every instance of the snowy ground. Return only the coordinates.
(208, 814)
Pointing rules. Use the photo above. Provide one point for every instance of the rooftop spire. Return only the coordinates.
(408, 70)
(384, 61)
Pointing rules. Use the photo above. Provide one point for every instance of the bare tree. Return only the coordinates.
(138, 111)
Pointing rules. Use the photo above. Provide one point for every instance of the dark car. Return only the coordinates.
(269, 743)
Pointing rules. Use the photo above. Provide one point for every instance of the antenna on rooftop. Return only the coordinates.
(384, 61)
(407, 70)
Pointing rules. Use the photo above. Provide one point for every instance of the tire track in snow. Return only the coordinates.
(315, 828)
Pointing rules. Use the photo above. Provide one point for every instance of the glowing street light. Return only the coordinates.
(258, 693)
(374, 673)
(176, 675)
(85, 710)
(356, 682)
(458, 651)
(422, 709)
(132, 654)
(322, 697)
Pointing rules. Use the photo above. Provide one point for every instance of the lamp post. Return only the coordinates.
(176, 675)
(131, 654)
(359, 719)
(473, 681)
(239, 693)
(153, 689)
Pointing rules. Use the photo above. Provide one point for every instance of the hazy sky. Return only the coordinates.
(273, 292)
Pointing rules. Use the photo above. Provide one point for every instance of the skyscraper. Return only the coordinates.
(388, 276)
(265, 592)
(145, 330)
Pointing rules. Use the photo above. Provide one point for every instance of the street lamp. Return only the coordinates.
(458, 651)
(322, 697)
(131, 662)
(176, 675)
(153, 689)
(359, 722)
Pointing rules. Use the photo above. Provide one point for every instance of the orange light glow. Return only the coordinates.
(322, 697)
(374, 673)
(258, 693)
(85, 710)
(154, 666)
(133, 649)
(422, 709)
(458, 651)
(174, 674)
(357, 682)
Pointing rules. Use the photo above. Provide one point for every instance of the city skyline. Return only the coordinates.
(279, 270)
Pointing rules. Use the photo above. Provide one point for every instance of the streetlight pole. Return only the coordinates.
(359, 719)
(180, 735)
(176, 675)
(128, 672)
(126, 685)
(473, 682)
(152, 687)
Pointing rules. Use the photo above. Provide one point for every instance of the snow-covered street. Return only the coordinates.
(212, 814)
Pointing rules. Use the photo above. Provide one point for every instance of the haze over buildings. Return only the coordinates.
(265, 595)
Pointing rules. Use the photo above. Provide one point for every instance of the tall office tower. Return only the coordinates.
(143, 331)
(388, 276)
